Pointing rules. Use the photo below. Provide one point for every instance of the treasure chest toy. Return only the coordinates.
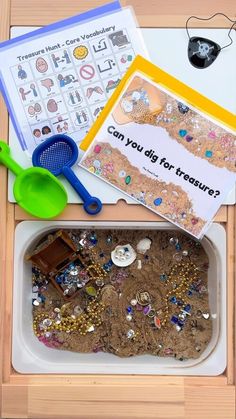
(64, 265)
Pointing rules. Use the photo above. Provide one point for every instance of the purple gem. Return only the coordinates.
(139, 307)
(147, 310)
(188, 138)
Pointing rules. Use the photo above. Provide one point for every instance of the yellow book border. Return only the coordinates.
(175, 86)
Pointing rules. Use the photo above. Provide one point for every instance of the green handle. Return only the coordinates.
(7, 160)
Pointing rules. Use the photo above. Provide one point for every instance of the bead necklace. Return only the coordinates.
(83, 324)
(187, 273)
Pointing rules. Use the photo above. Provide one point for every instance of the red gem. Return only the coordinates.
(157, 322)
(194, 221)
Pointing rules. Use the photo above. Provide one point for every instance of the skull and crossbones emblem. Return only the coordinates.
(203, 50)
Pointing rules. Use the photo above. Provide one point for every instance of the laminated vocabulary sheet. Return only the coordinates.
(58, 79)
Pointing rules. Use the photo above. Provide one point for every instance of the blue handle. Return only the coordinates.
(92, 205)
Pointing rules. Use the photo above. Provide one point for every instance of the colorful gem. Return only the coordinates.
(206, 316)
(129, 317)
(173, 300)
(177, 246)
(139, 307)
(208, 153)
(99, 282)
(157, 322)
(147, 310)
(128, 180)
(194, 221)
(96, 164)
(185, 253)
(163, 277)
(122, 173)
(106, 267)
(130, 334)
(133, 302)
(129, 309)
(174, 319)
(188, 138)
(91, 291)
(182, 132)
(92, 169)
(212, 134)
(157, 201)
(183, 108)
(97, 149)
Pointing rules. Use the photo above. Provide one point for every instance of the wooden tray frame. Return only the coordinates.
(106, 396)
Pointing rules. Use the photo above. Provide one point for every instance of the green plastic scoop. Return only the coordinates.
(35, 189)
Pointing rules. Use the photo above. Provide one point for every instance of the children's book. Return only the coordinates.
(165, 145)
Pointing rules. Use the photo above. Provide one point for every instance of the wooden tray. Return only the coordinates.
(107, 396)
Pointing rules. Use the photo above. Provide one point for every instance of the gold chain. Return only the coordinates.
(186, 273)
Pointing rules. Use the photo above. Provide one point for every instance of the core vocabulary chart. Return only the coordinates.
(59, 80)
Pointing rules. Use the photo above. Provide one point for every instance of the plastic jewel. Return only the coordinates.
(133, 302)
(182, 132)
(74, 272)
(91, 291)
(129, 309)
(128, 180)
(206, 316)
(123, 255)
(157, 322)
(185, 253)
(144, 245)
(47, 322)
(174, 319)
(35, 302)
(130, 334)
(99, 282)
(129, 317)
(163, 277)
(182, 108)
(178, 328)
(147, 310)
(173, 300)
(91, 328)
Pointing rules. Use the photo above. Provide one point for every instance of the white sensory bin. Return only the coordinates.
(29, 355)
